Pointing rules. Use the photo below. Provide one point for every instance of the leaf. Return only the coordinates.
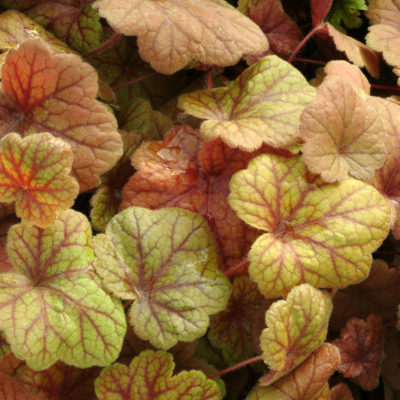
(357, 52)
(391, 363)
(172, 32)
(309, 224)
(52, 307)
(282, 32)
(384, 34)
(306, 382)
(341, 392)
(319, 10)
(135, 115)
(295, 328)
(174, 287)
(17, 27)
(149, 377)
(361, 351)
(66, 108)
(379, 294)
(341, 137)
(5, 223)
(346, 12)
(263, 105)
(231, 329)
(34, 172)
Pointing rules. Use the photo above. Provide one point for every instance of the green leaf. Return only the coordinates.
(263, 105)
(166, 262)
(317, 233)
(347, 12)
(52, 306)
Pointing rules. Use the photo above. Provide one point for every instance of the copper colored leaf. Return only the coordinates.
(149, 377)
(51, 306)
(166, 262)
(282, 32)
(231, 329)
(361, 351)
(341, 137)
(341, 392)
(295, 328)
(317, 233)
(319, 10)
(357, 52)
(306, 382)
(34, 172)
(384, 34)
(263, 105)
(56, 94)
(172, 32)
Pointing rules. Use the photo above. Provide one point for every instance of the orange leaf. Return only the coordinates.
(341, 392)
(56, 93)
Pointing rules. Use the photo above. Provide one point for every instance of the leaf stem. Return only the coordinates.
(236, 366)
(209, 79)
(303, 42)
(236, 267)
(103, 46)
(133, 81)
(384, 87)
(310, 61)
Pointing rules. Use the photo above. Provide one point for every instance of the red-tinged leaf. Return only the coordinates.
(306, 382)
(361, 351)
(316, 233)
(51, 306)
(295, 328)
(384, 34)
(231, 329)
(341, 392)
(149, 377)
(174, 288)
(282, 32)
(56, 94)
(17, 27)
(341, 138)
(357, 52)
(379, 294)
(5, 223)
(173, 32)
(75, 22)
(34, 172)
(262, 106)
(319, 10)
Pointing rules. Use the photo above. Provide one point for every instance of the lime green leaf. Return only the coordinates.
(263, 105)
(166, 262)
(347, 12)
(34, 172)
(295, 328)
(317, 233)
(231, 329)
(149, 377)
(52, 307)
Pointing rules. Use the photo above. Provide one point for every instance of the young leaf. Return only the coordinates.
(317, 233)
(172, 32)
(149, 377)
(306, 382)
(295, 328)
(56, 94)
(34, 172)
(346, 12)
(263, 105)
(391, 363)
(52, 307)
(231, 329)
(341, 137)
(282, 32)
(166, 262)
(384, 34)
(361, 351)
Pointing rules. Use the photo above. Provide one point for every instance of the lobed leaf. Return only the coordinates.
(341, 137)
(346, 12)
(317, 233)
(172, 32)
(263, 105)
(306, 382)
(361, 351)
(319, 10)
(149, 377)
(51, 306)
(166, 262)
(34, 172)
(56, 94)
(295, 328)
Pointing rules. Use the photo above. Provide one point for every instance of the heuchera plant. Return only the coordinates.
(199, 199)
